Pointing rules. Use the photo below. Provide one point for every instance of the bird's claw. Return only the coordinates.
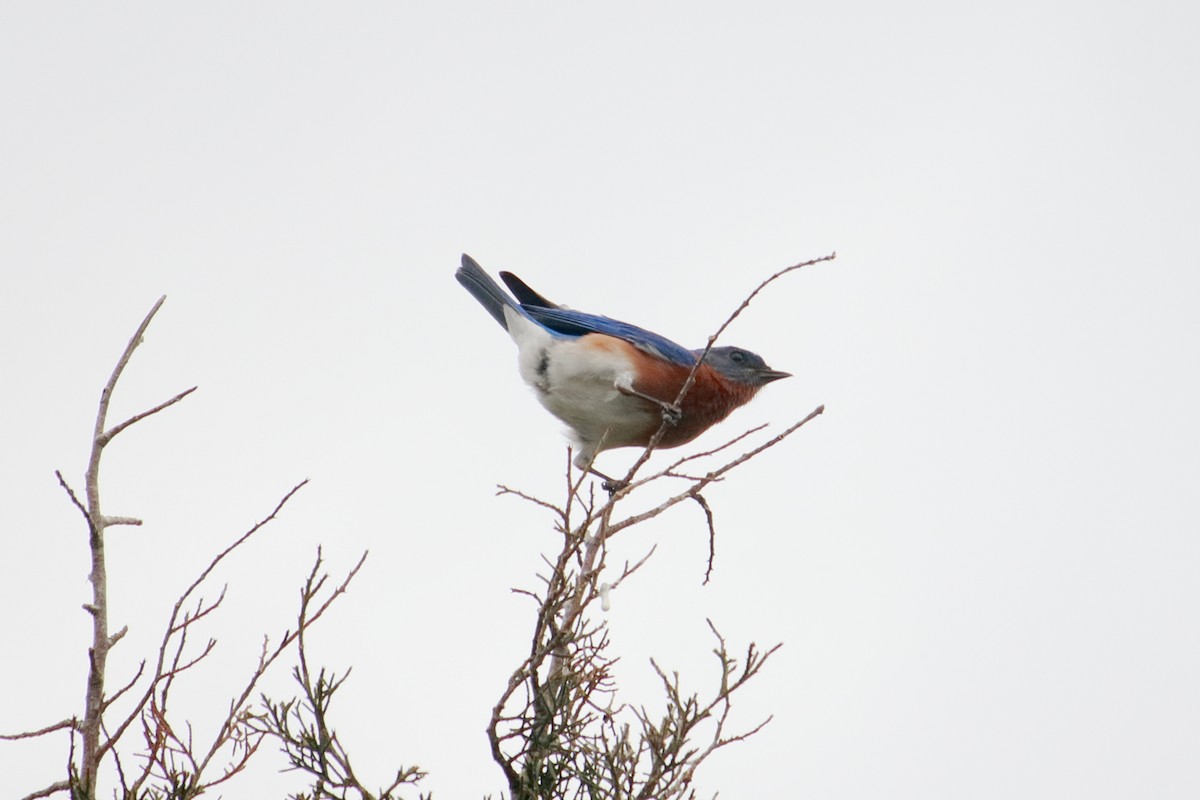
(671, 413)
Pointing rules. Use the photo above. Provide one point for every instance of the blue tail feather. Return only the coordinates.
(484, 289)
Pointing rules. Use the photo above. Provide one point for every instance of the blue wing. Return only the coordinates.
(560, 321)
(565, 322)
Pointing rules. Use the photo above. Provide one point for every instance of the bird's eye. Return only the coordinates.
(737, 356)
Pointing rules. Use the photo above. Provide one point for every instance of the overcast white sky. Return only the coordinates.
(982, 560)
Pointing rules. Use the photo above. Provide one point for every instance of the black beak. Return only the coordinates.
(765, 376)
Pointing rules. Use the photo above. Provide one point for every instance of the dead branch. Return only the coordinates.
(712, 340)
(111, 432)
(302, 724)
(75, 501)
(712, 476)
(172, 753)
(54, 788)
(176, 626)
(72, 723)
(97, 522)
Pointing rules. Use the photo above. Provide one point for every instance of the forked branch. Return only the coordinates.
(94, 701)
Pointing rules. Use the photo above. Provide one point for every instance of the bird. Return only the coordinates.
(614, 384)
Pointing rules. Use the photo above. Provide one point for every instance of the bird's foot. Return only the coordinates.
(671, 413)
(610, 485)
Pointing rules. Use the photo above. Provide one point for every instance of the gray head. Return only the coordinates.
(742, 366)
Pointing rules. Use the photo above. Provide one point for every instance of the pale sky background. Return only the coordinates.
(982, 560)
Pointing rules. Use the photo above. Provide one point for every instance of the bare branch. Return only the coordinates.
(750, 297)
(816, 412)
(132, 681)
(173, 625)
(712, 340)
(54, 788)
(118, 636)
(302, 725)
(501, 489)
(712, 452)
(75, 501)
(101, 642)
(712, 534)
(108, 435)
(72, 724)
(237, 706)
(712, 476)
(66, 724)
(108, 521)
(134, 341)
(171, 753)
(240, 541)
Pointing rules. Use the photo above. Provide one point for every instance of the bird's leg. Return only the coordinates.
(671, 413)
(610, 485)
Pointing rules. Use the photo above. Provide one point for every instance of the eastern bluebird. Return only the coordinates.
(612, 383)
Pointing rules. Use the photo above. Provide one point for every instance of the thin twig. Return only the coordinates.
(159, 673)
(117, 695)
(285, 642)
(712, 534)
(691, 378)
(54, 788)
(111, 432)
(501, 489)
(72, 723)
(75, 501)
(712, 476)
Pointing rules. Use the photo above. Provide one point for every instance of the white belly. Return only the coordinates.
(576, 380)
